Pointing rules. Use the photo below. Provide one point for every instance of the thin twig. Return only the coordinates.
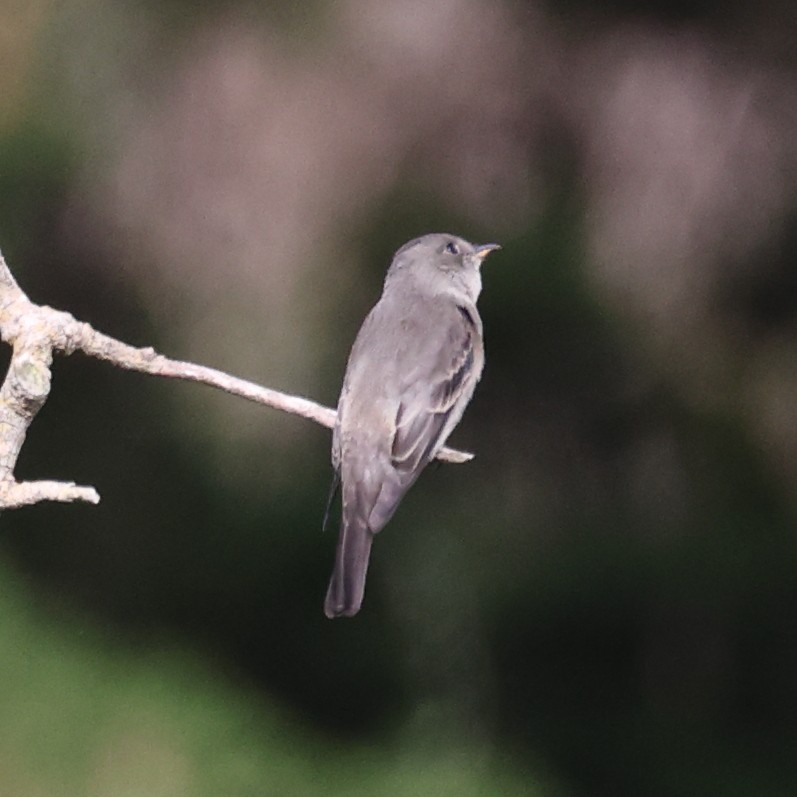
(148, 361)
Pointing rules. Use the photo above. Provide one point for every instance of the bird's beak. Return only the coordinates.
(482, 250)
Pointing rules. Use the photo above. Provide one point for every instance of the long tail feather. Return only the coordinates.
(347, 585)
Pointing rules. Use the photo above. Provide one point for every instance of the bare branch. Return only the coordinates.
(16, 494)
(35, 332)
(149, 361)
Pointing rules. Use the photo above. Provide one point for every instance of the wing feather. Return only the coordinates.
(428, 403)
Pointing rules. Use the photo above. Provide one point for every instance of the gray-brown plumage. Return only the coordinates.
(411, 373)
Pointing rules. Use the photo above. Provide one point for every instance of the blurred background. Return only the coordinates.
(603, 601)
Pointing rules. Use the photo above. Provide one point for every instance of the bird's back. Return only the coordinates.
(409, 378)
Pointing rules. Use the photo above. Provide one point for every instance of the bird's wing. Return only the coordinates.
(428, 407)
(435, 392)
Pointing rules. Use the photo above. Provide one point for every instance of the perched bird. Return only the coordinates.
(411, 373)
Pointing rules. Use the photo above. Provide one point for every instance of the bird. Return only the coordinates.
(411, 372)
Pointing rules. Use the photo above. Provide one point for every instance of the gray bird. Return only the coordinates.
(411, 373)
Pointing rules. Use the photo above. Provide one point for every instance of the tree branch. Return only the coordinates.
(35, 332)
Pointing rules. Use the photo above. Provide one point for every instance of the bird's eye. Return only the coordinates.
(452, 248)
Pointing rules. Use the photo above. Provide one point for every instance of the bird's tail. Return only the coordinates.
(347, 585)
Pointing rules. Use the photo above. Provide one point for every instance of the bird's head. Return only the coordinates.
(441, 262)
